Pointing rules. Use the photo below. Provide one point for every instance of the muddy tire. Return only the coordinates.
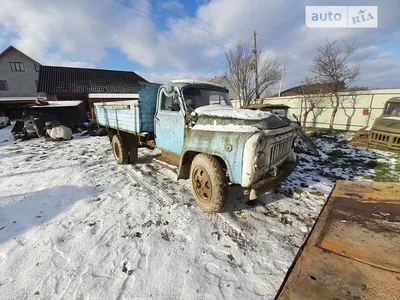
(133, 155)
(208, 183)
(120, 153)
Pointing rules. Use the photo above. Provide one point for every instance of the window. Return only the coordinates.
(3, 85)
(392, 108)
(17, 66)
(37, 67)
(197, 97)
(170, 103)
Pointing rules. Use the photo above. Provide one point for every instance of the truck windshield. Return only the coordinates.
(197, 97)
(392, 108)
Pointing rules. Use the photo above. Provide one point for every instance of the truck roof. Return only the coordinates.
(185, 82)
(394, 99)
(267, 105)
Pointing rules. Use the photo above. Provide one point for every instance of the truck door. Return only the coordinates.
(169, 123)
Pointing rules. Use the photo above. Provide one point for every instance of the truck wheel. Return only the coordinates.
(208, 183)
(120, 153)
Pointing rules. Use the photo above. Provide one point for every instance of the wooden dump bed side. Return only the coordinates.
(353, 251)
(133, 116)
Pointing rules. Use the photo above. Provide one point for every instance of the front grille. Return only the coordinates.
(279, 151)
(380, 137)
(385, 139)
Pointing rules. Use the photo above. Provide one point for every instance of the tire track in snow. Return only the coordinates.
(164, 198)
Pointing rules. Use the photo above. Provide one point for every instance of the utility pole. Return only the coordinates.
(256, 65)
(283, 74)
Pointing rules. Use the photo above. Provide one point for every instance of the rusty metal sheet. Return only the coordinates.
(170, 158)
(353, 251)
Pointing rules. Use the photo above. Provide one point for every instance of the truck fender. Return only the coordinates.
(186, 162)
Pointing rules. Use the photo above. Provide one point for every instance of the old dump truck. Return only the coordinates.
(198, 130)
(385, 132)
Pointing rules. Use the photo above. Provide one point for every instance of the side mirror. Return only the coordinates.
(294, 116)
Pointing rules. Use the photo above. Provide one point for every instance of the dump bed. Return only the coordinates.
(132, 116)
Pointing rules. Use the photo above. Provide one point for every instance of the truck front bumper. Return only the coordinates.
(265, 184)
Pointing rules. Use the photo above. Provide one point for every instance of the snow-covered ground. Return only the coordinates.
(75, 225)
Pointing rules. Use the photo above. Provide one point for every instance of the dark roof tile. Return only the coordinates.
(79, 80)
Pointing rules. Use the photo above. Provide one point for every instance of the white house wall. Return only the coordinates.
(20, 84)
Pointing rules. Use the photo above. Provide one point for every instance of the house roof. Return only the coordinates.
(216, 79)
(81, 81)
(11, 47)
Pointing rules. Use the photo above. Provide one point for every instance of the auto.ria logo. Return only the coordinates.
(342, 16)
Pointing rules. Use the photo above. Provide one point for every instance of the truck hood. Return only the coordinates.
(227, 118)
(388, 124)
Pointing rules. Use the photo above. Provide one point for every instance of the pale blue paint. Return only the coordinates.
(147, 104)
(169, 134)
(215, 143)
(133, 115)
(122, 119)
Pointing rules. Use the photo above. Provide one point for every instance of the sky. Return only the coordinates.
(163, 40)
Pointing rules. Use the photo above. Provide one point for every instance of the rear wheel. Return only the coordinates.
(120, 152)
(208, 183)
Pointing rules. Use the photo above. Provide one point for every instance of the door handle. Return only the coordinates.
(157, 119)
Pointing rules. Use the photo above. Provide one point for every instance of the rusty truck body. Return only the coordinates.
(198, 130)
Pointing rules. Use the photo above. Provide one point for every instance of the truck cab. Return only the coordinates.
(385, 131)
(212, 143)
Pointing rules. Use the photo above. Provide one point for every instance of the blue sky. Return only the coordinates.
(107, 34)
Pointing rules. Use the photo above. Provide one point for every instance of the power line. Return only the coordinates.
(212, 69)
(225, 57)
(194, 16)
(169, 23)
(178, 16)
(221, 62)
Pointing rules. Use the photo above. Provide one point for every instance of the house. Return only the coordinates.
(311, 89)
(18, 74)
(88, 85)
(224, 81)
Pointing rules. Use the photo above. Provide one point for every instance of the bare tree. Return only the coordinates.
(349, 103)
(240, 71)
(332, 65)
(314, 98)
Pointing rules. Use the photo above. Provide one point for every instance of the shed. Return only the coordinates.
(64, 83)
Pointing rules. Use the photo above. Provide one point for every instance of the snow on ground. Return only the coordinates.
(75, 225)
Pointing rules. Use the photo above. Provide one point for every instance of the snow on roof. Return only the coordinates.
(16, 99)
(113, 96)
(191, 81)
(392, 118)
(230, 112)
(68, 103)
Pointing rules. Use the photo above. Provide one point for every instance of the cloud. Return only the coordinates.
(78, 33)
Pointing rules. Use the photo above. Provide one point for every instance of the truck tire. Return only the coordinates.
(120, 152)
(208, 183)
(133, 155)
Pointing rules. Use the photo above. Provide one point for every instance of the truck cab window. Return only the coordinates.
(197, 97)
(169, 103)
(392, 108)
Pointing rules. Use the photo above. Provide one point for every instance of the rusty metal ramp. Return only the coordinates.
(353, 251)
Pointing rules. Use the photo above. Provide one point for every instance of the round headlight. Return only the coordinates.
(260, 160)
